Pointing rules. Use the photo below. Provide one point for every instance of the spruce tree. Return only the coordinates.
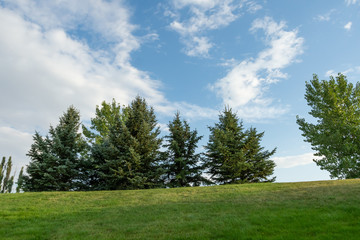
(182, 165)
(96, 166)
(55, 160)
(127, 154)
(234, 155)
(145, 143)
(105, 117)
(260, 167)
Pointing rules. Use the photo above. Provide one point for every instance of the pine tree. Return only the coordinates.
(234, 155)
(183, 165)
(56, 159)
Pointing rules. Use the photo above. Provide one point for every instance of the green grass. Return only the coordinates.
(311, 210)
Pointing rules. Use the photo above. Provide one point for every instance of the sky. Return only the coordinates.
(191, 56)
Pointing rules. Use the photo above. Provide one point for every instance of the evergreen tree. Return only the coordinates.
(127, 158)
(142, 126)
(260, 167)
(182, 164)
(56, 159)
(100, 152)
(234, 155)
(20, 180)
(105, 118)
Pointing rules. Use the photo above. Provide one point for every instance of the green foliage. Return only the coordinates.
(142, 126)
(56, 159)
(182, 165)
(98, 156)
(105, 118)
(127, 158)
(20, 180)
(335, 136)
(6, 180)
(234, 155)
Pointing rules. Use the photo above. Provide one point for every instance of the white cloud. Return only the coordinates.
(200, 47)
(253, 7)
(47, 70)
(350, 2)
(330, 73)
(293, 161)
(355, 70)
(348, 26)
(245, 84)
(45, 66)
(15, 143)
(325, 17)
(205, 15)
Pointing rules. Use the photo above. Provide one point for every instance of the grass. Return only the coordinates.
(309, 210)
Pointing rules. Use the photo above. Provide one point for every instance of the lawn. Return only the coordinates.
(308, 210)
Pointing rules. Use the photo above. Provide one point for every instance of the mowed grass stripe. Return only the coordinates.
(308, 210)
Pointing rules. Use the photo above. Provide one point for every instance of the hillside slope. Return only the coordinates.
(309, 210)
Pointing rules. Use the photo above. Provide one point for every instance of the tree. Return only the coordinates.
(182, 165)
(128, 157)
(105, 118)
(144, 144)
(335, 137)
(234, 155)
(98, 136)
(55, 160)
(6, 180)
(20, 180)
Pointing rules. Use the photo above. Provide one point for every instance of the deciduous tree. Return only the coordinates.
(335, 135)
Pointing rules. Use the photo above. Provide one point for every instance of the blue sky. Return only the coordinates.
(195, 56)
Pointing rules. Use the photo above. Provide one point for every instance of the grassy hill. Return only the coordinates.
(309, 210)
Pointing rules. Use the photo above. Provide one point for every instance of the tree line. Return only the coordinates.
(122, 149)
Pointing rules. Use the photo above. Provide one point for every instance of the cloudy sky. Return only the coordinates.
(195, 56)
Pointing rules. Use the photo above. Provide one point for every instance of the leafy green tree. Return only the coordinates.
(335, 104)
(234, 155)
(6, 180)
(55, 160)
(183, 165)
